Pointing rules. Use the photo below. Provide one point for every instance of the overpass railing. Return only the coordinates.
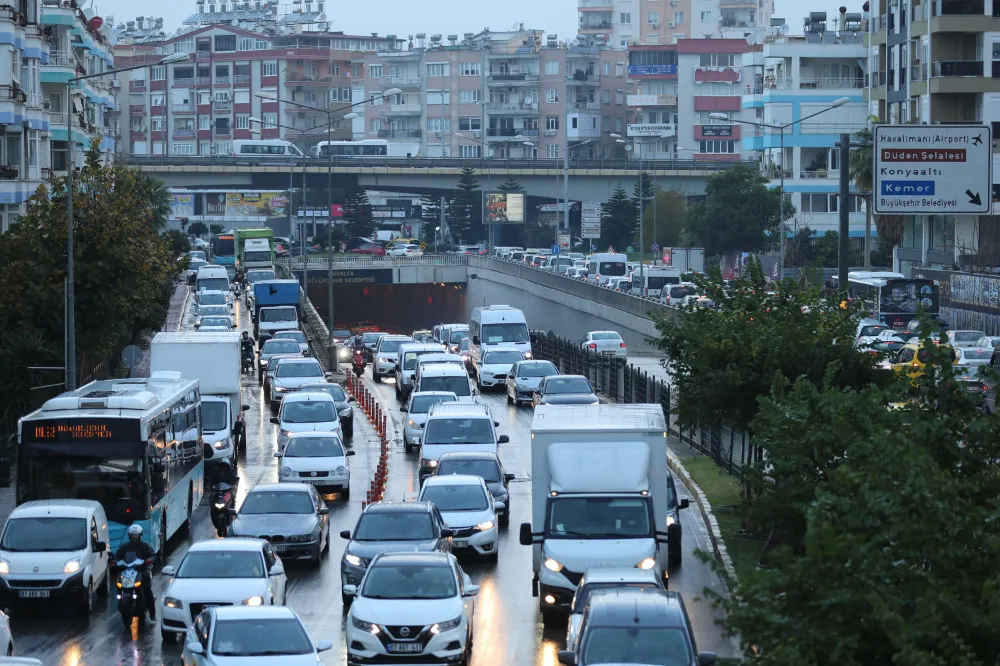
(480, 163)
(355, 262)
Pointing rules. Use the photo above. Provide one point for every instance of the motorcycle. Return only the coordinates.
(359, 363)
(131, 600)
(236, 289)
(248, 360)
(222, 503)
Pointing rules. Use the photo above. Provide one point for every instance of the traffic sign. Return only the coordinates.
(555, 249)
(933, 169)
(655, 247)
(590, 219)
(423, 247)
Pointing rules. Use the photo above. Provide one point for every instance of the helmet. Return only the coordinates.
(225, 465)
(246, 334)
(135, 532)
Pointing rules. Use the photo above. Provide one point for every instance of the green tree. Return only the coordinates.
(430, 216)
(801, 249)
(861, 164)
(885, 500)
(216, 229)
(510, 185)
(198, 229)
(646, 179)
(619, 218)
(159, 202)
(739, 214)
(671, 206)
(465, 217)
(358, 211)
(177, 241)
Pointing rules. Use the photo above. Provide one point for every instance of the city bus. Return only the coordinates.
(364, 148)
(134, 445)
(224, 249)
(892, 298)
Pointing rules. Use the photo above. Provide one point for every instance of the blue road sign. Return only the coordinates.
(656, 247)
(555, 249)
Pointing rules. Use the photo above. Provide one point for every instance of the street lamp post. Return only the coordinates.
(565, 152)
(781, 165)
(329, 199)
(642, 200)
(70, 263)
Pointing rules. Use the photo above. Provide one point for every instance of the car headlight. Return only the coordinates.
(429, 463)
(221, 444)
(486, 525)
(353, 560)
(670, 520)
(527, 354)
(286, 433)
(346, 411)
(646, 564)
(446, 626)
(364, 626)
(253, 601)
(286, 471)
(279, 389)
(264, 362)
(503, 497)
(411, 423)
(385, 360)
(343, 353)
(300, 538)
(340, 471)
(170, 602)
(72, 566)
(553, 565)
(4, 567)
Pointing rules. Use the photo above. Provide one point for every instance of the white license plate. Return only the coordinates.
(405, 647)
(460, 543)
(34, 594)
(279, 548)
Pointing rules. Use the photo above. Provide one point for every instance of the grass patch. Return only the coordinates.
(723, 490)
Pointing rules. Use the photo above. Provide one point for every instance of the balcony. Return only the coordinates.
(298, 77)
(183, 133)
(595, 26)
(834, 83)
(403, 110)
(595, 6)
(918, 72)
(137, 109)
(223, 80)
(134, 84)
(241, 79)
(402, 82)
(513, 78)
(581, 78)
(222, 131)
(9, 15)
(184, 81)
(511, 107)
(583, 106)
(508, 134)
(204, 81)
(221, 105)
(510, 52)
(12, 94)
(182, 108)
(950, 68)
(414, 133)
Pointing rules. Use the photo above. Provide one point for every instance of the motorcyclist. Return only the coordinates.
(247, 344)
(225, 473)
(137, 549)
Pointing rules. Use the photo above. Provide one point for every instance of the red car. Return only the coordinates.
(373, 249)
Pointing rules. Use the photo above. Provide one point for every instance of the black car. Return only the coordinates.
(344, 408)
(565, 390)
(483, 464)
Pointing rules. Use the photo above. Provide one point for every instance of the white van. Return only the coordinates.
(498, 326)
(457, 427)
(55, 551)
(265, 148)
(451, 336)
(654, 280)
(212, 278)
(606, 264)
(445, 377)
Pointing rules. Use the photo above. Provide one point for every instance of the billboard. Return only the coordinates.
(256, 204)
(652, 129)
(652, 100)
(182, 205)
(505, 208)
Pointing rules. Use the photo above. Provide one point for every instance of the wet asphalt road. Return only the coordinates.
(508, 628)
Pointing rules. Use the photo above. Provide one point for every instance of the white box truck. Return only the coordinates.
(214, 360)
(601, 496)
(687, 259)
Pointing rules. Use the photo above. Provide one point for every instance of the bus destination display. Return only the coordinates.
(78, 431)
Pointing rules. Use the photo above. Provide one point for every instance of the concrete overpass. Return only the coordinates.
(589, 180)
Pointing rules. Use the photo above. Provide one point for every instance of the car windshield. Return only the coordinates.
(539, 369)
(464, 346)
(313, 411)
(568, 385)
(199, 255)
(495, 357)
(410, 358)
(278, 314)
(612, 268)
(681, 292)
(488, 469)
(215, 321)
(463, 431)
(211, 299)
(44, 534)
(213, 284)
(421, 404)
(967, 336)
(395, 526)
(297, 336)
(370, 338)
(222, 564)
(258, 276)
(977, 354)
(457, 335)
(260, 638)
(333, 390)
(512, 332)
(457, 384)
(279, 347)
(277, 501)
(206, 310)
(410, 582)
(341, 333)
(598, 517)
(299, 370)
(650, 646)
(455, 497)
(314, 447)
(872, 331)
(660, 281)
(605, 336)
(214, 416)
(391, 346)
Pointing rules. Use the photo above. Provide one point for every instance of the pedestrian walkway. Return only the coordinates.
(652, 365)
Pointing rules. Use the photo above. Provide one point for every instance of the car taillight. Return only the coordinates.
(623, 345)
(593, 346)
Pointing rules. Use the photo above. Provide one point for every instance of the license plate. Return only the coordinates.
(279, 548)
(461, 543)
(405, 647)
(34, 594)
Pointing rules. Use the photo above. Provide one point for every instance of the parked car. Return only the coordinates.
(373, 249)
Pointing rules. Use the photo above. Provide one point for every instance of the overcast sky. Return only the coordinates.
(406, 17)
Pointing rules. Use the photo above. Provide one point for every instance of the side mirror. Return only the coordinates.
(508, 476)
(195, 647)
(421, 425)
(350, 398)
(685, 503)
(232, 511)
(567, 657)
(403, 409)
(328, 375)
(350, 453)
(471, 591)
(445, 533)
(324, 511)
(475, 339)
(168, 571)
(277, 454)
(496, 424)
(503, 439)
(525, 536)
(277, 569)
(323, 646)
(499, 506)
(345, 534)
(706, 659)
(274, 420)
(351, 590)
(246, 408)
(100, 547)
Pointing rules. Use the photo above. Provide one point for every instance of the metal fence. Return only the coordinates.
(359, 262)
(619, 381)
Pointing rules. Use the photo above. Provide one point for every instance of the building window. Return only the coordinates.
(204, 122)
(241, 96)
(437, 69)
(270, 120)
(470, 151)
(619, 69)
(607, 95)
(705, 118)
(374, 99)
(356, 70)
(653, 18)
(717, 89)
(439, 124)
(157, 124)
(376, 125)
(619, 97)
(551, 122)
(718, 59)
(706, 16)
(625, 18)
(607, 69)
(715, 147)
(551, 66)
(225, 43)
(156, 99)
(438, 97)
(375, 71)
(247, 44)
(159, 73)
(551, 151)
(469, 96)
(606, 123)
(470, 124)
(678, 17)
(183, 149)
(618, 124)
(551, 95)
(242, 121)
(815, 203)
(469, 69)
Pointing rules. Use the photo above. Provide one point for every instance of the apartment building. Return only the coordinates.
(498, 95)
(790, 77)
(676, 89)
(928, 65)
(624, 23)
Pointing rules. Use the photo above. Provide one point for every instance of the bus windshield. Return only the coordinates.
(257, 256)
(223, 245)
(118, 484)
(611, 268)
(512, 332)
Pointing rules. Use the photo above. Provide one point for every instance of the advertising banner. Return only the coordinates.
(215, 203)
(505, 208)
(652, 129)
(652, 100)
(716, 130)
(182, 204)
(256, 204)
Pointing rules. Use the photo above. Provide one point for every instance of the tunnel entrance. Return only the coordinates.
(399, 308)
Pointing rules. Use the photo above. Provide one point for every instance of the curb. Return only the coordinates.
(718, 545)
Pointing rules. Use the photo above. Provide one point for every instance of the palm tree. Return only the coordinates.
(861, 167)
(159, 203)
(216, 229)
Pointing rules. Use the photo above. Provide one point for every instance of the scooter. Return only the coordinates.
(358, 363)
(222, 503)
(248, 360)
(131, 599)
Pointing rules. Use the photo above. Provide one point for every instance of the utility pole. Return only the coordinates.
(845, 219)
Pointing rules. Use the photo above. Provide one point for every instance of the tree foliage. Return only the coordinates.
(861, 164)
(465, 209)
(198, 229)
(124, 273)
(887, 502)
(670, 208)
(215, 229)
(511, 185)
(619, 219)
(739, 214)
(724, 359)
(430, 215)
(358, 211)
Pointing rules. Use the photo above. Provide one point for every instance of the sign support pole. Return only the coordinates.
(845, 213)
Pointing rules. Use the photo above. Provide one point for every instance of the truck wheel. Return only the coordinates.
(674, 551)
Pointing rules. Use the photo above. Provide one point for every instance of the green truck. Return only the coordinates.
(254, 248)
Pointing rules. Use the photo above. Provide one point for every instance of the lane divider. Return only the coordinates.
(378, 418)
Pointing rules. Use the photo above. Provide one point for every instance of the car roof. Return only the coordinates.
(398, 507)
(624, 607)
(59, 508)
(493, 349)
(446, 368)
(620, 575)
(432, 393)
(615, 332)
(566, 377)
(306, 434)
(247, 544)
(454, 480)
(224, 613)
(470, 409)
(294, 487)
(301, 359)
(309, 396)
(414, 559)
(396, 337)
(468, 455)
(277, 333)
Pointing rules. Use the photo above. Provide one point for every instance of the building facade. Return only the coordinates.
(790, 77)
